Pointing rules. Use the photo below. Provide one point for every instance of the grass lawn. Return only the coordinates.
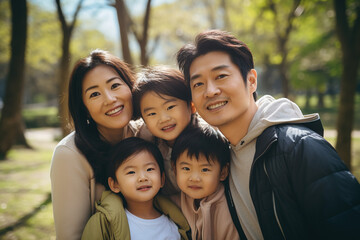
(25, 193)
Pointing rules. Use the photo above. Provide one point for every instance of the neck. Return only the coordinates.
(143, 210)
(238, 128)
(112, 136)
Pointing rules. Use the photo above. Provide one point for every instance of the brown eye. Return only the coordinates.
(94, 94)
(115, 85)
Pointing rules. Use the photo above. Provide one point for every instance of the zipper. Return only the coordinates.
(274, 205)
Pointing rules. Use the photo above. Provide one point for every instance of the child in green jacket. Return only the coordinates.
(133, 210)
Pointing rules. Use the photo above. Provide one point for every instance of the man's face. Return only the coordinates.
(219, 92)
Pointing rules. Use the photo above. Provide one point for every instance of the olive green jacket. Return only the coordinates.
(110, 221)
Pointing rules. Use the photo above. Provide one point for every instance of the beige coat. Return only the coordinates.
(212, 220)
(73, 187)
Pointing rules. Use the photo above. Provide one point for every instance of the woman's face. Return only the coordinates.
(108, 99)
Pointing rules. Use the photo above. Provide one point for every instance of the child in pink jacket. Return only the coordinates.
(201, 158)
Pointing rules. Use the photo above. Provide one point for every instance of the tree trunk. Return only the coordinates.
(64, 68)
(11, 124)
(144, 40)
(350, 45)
(283, 38)
(124, 24)
(63, 81)
(321, 103)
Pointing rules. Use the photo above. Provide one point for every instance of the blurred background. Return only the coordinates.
(306, 50)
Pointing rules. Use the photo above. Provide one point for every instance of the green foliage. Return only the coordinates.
(5, 31)
(41, 117)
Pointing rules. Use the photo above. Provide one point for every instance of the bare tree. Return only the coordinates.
(64, 70)
(11, 124)
(350, 45)
(143, 37)
(127, 26)
(124, 25)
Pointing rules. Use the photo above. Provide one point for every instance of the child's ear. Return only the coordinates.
(224, 172)
(114, 186)
(162, 179)
(193, 108)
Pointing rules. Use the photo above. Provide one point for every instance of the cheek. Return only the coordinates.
(92, 109)
(128, 96)
(150, 123)
(195, 98)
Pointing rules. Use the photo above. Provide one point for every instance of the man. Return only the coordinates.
(286, 181)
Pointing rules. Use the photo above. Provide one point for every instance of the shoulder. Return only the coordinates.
(291, 136)
(67, 156)
(111, 205)
(109, 220)
(306, 151)
(68, 142)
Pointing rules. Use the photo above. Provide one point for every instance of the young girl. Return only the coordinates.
(136, 173)
(162, 98)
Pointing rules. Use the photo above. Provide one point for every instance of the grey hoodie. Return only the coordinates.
(270, 112)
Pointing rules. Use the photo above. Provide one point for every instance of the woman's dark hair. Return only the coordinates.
(87, 137)
(202, 139)
(162, 81)
(216, 40)
(130, 147)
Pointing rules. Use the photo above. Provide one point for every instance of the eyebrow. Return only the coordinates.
(167, 101)
(182, 163)
(107, 81)
(192, 78)
(147, 164)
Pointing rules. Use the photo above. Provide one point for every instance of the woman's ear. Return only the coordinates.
(114, 186)
(224, 172)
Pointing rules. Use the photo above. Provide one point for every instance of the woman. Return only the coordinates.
(100, 104)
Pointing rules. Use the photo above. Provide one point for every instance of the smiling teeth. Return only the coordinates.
(167, 127)
(116, 110)
(211, 107)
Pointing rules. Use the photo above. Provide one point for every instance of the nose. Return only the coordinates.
(194, 177)
(142, 177)
(212, 89)
(109, 98)
(164, 117)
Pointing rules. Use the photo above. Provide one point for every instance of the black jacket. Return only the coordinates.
(300, 187)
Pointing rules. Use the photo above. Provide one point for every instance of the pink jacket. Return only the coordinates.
(212, 220)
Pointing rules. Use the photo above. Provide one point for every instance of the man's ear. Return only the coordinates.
(224, 172)
(114, 186)
(252, 80)
(162, 179)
